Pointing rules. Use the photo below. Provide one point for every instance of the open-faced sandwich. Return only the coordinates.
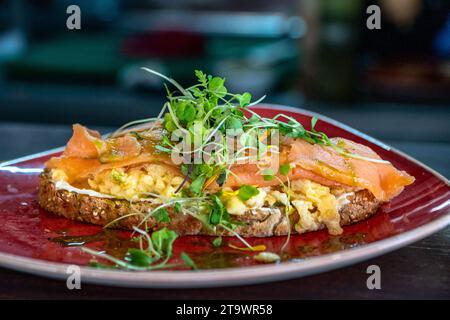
(208, 165)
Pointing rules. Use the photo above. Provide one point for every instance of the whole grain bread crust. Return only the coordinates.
(257, 223)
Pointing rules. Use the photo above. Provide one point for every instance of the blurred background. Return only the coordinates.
(392, 83)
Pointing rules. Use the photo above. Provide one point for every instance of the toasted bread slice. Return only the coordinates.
(257, 223)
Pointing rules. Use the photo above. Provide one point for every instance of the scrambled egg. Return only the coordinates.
(135, 182)
(236, 206)
(315, 204)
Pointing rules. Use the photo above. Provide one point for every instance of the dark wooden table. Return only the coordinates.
(420, 270)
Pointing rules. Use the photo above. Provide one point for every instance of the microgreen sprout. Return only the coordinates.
(153, 255)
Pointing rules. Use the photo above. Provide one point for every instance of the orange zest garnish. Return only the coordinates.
(259, 247)
(210, 180)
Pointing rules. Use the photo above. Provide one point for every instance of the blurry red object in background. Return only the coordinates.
(164, 44)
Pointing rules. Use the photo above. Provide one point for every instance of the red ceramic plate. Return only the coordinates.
(30, 238)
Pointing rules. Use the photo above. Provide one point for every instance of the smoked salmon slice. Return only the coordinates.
(82, 143)
(326, 166)
(382, 179)
(86, 154)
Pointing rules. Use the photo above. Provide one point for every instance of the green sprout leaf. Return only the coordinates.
(217, 211)
(313, 123)
(253, 119)
(98, 265)
(177, 207)
(163, 149)
(244, 99)
(162, 215)
(202, 78)
(234, 126)
(216, 85)
(185, 111)
(268, 174)
(163, 240)
(169, 124)
(246, 192)
(138, 257)
(197, 184)
(184, 169)
(217, 242)
(188, 261)
(284, 169)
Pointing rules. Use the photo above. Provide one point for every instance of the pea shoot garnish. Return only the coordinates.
(154, 253)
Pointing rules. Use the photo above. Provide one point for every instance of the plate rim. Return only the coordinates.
(236, 275)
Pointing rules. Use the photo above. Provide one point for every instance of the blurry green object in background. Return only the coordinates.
(70, 58)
